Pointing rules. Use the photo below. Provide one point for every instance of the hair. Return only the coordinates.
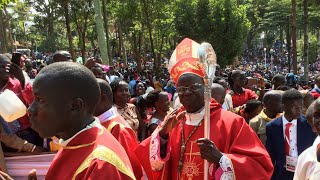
(252, 105)
(317, 76)
(232, 75)
(268, 85)
(137, 82)
(115, 85)
(216, 86)
(3, 57)
(278, 77)
(291, 95)
(152, 97)
(270, 95)
(217, 79)
(105, 88)
(77, 80)
(283, 88)
(147, 81)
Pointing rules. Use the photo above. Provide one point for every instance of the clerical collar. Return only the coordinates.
(95, 123)
(193, 119)
(106, 116)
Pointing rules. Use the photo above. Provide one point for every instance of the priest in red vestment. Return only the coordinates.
(176, 150)
(66, 94)
(117, 126)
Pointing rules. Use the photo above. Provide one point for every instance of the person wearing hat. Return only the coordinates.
(61, 56)
(176, 149)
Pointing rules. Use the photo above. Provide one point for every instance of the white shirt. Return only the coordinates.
(149, 89)
(193, 119)
(111, 113)
(227, 105)
(293, 136)
(95, 123)
(308, 167)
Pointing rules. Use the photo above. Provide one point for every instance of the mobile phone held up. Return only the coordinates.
(16, 57)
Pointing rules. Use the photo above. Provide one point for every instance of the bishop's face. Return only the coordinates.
(190, 89)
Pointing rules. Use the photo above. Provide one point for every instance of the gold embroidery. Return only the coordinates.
(105, 154)
(184, 49)
(190, 168)
(184, 66)
(112, 125)
(83, 145)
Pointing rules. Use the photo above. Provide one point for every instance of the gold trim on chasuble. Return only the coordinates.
(113, 124)
(105, 154)
(190, 168)
(83, 145)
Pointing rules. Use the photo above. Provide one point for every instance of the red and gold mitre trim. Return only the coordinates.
(185, 66)
(185, 59)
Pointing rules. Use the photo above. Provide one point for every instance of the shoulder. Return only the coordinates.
(275, 122)
(255, 120)
(104, 159)
(226, 117)
(303, 119)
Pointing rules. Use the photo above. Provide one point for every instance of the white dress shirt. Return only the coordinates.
(293, 136)
(95, 123)
(111, 113)
(194, 119)
(227, 105)
(308, 167)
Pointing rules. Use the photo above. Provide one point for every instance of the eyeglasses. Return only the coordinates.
(193, 88)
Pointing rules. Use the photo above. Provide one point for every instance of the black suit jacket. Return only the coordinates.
(275, 144)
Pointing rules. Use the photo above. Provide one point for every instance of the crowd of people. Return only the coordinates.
(112, 122)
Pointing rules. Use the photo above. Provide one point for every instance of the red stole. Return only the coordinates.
(127, 138)
(231, 135)
(92, 154)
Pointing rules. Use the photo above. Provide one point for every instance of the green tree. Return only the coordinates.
(223, 23)
(101, 33)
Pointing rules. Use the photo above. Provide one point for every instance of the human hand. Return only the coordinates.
(39, 149)
(16, 71)
(170, 121)
(32, 175)
(209, 151)
(4, 176)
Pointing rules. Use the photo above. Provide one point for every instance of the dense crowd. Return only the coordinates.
(132, 125)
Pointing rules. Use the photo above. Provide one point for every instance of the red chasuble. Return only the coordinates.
(92, 154)
(127, 138)
(244, 155)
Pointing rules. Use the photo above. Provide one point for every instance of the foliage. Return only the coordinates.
(223, 23)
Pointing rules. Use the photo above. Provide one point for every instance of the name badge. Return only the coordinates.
(291, 163)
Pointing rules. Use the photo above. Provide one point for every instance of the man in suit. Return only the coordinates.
(288, 136)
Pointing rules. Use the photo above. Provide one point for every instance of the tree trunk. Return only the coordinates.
(69, 35)
(122, 48)
(281, 40)
(9, 34)
(294, 36)
(289, 43)
(101, 33)
(83, 46)
(106, 28)
(306, 40)
(3, 36)
(149, 26)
